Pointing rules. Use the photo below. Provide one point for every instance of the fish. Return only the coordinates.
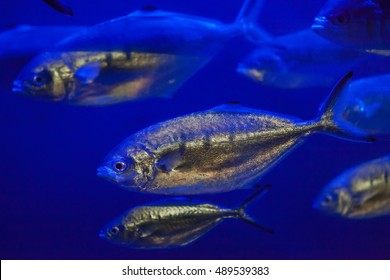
(146, 54)
(358, 24)
(60, 6)
(299, 60)
(225, 148)
(359, 193)
(172, 223)
(19, 45)
(366, 104)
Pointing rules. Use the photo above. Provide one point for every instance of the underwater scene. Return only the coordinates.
(240, 129)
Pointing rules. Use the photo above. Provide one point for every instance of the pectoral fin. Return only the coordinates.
(88, 72)
(169, 162)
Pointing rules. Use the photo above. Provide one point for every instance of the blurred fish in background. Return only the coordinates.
(360, 192)
(358, 24)
(19, 44)
(172, 223)
(146, 54)
(366, 104)
(299, 60)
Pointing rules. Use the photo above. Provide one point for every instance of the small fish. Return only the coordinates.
(360, 192)
(367, 104)
(359, 24)
(222, 149)
(299, 60)
(60, 6)
(19, 45)
(172, 223)
(146, 54)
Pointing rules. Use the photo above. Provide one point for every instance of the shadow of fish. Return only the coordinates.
(228, 147)
(172, 223)
(360, 192)
(146, 54)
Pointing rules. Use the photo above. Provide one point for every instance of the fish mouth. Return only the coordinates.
(17, 86)
(319, 24)
(106, 173)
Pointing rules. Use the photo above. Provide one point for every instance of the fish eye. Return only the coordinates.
(120, 166)
(114, 230)
(340, 18)
(38, 80)
(328, 199)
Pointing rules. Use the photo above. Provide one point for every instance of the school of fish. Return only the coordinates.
(151, 53)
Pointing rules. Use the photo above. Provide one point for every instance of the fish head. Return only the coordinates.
(350, 23)
(264, 65)
(47, 77)
(336, 199)
(132, 168)
(120, 232)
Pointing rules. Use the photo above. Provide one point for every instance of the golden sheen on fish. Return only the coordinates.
(360, 192)
(146, 54)
(222, 149)
(171, 223)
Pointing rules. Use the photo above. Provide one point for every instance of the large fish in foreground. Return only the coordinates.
(20, 44)
(359, 24)
(299, 60)
(171, 223)
(360, 192)
(366, 104)
(142, 55)
(222, 149)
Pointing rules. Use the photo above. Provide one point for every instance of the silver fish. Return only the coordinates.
(299, 60)
(359, 24)
(143, 55)
(366, 104)
(226, 148)
(171, 223)
(360, 192)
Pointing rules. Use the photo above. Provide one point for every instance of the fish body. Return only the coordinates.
(19, 45)
(299, 60)
(226, 148)
(174, 46)
(367, 104)
(170, 223)
(60, 6)
(359, 24)
(360, 192)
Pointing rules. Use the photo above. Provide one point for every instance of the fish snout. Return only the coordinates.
(17, 86)
(105, 173)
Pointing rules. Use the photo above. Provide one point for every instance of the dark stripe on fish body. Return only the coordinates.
(386, 177)
(206, 142)
(128, 56)
(109, 59)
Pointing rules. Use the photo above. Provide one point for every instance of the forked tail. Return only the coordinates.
(330, 123)
(241, 210)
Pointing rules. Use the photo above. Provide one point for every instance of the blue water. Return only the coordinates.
(52, 204)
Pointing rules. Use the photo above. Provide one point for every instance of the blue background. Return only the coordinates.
(52, 204)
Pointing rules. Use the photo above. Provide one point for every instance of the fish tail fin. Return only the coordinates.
(328, 122)
(241, 210)
(246, 21)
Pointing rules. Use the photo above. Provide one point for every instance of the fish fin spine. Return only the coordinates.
(241, 210)
(330, 123)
